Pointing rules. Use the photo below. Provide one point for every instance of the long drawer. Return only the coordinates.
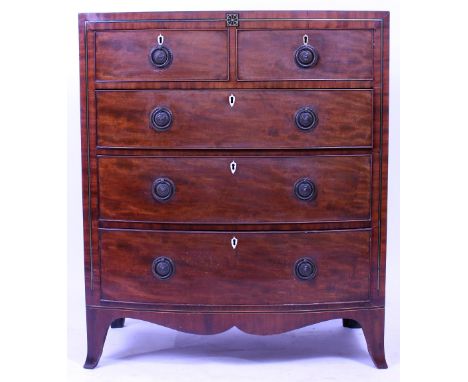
(321, 188)
(263, 268)
(184, 119)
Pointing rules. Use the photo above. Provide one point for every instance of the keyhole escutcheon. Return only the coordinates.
(234, 242)
(232, 100)
(233, 167)
(160, 39)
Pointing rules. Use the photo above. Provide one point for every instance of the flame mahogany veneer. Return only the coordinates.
(235, 171)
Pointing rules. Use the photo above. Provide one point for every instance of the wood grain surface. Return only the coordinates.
(371, 320)
(259, 119)
(260, 191)
(197, 55)
(265, 55)
(260, 270)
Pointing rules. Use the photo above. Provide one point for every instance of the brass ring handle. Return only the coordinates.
(305, 189)
(163, 189)
(306, 56)
(160, 57)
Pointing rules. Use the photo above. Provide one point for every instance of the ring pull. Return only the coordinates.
(161, 118)
(306, 56)
(232, 100)
(160, 55)
(233, 167)
(305, 269)
(163, 268)
(305, 189)
(234, 242)
(306, 119)
(163, 189)
(160, 39)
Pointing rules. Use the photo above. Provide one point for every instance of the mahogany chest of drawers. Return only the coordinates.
(235, 171)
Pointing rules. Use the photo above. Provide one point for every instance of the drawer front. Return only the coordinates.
(264, 268)
(271, 55)
(187, 55)
(258, 119)
(261, 189)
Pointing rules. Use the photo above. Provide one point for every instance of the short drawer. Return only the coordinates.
(253, 119)
(184, 55)
(322, 188)
(264, 268)
(265, 55)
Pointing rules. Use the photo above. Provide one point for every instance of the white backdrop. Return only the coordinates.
(150, 351)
